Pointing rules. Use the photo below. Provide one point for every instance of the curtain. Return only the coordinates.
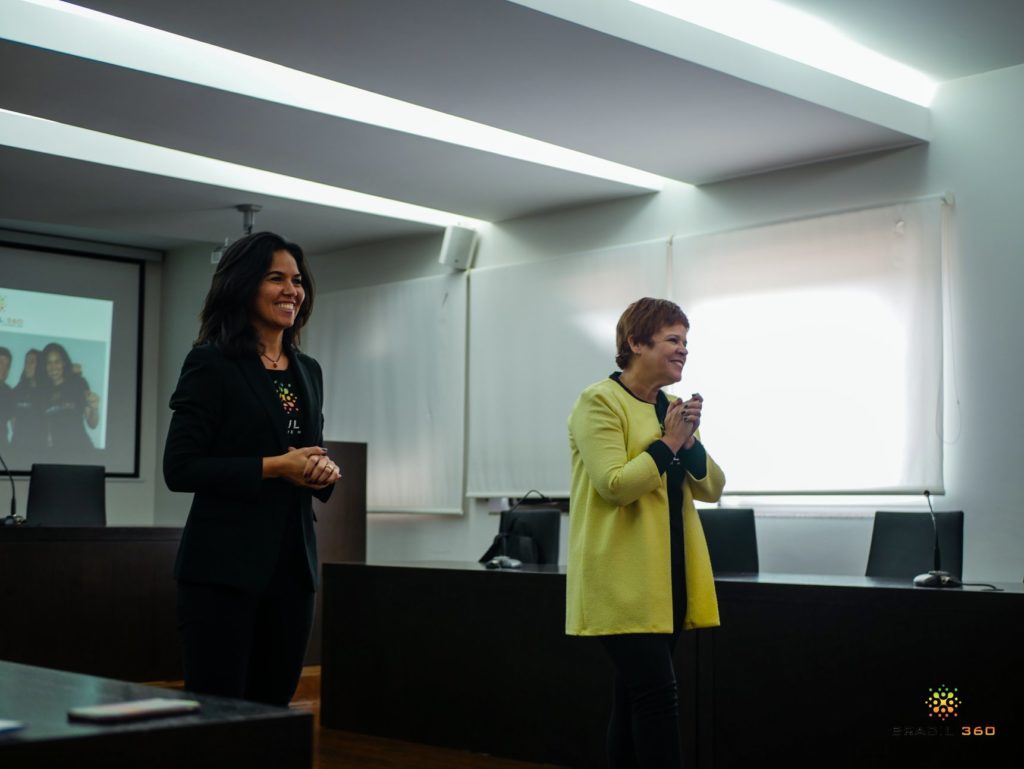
(817, 345)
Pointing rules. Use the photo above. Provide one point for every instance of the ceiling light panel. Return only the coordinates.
(82, 32)
(49, 137)
(793, 34)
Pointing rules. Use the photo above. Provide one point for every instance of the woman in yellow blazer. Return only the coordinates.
(639, 570)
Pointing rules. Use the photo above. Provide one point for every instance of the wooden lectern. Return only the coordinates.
(341, 523)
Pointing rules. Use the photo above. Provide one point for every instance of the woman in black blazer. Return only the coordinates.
(246, 439)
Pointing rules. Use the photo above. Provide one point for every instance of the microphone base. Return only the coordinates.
(936, 579)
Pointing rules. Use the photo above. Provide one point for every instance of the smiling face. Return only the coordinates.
(54, 367)
(661, 362)
(279, 296)
(31, 359)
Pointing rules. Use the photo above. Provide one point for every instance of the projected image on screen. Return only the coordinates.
(54, 377)
(71, 358)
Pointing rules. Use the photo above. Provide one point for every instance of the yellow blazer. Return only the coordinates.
(619, 577)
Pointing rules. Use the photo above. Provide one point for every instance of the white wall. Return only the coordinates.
(186, 279)
(976, 154)
(375, 263)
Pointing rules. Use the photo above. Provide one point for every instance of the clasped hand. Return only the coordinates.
(309, 467)
(681, 422)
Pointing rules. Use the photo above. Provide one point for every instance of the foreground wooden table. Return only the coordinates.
(224, 733)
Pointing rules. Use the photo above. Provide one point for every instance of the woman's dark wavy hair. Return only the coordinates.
(225, 319)
(62, 353)
(39, 364)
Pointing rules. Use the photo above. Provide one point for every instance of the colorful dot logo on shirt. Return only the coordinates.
(942, 702)
(289, 400)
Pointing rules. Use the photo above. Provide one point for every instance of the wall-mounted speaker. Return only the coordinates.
(458, 247)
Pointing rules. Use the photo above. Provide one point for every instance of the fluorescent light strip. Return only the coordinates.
(788, 32)
(89, 34)
(49, 137)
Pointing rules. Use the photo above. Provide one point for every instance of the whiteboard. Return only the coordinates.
(541, 332)
(394, 361)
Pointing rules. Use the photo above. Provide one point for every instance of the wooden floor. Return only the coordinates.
(333, 749)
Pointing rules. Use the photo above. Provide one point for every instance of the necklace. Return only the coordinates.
(273, 361)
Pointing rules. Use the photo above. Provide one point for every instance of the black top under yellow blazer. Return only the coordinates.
(227, 417)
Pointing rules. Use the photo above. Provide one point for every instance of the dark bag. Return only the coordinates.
(519, 546)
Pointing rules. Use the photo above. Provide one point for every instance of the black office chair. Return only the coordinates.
(67, 495)
(542, 524)
(732, 539)
(902, 544)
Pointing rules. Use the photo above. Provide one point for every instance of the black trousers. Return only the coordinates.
(243, 644)
(643, 730)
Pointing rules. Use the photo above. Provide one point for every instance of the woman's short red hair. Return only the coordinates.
(641, 321)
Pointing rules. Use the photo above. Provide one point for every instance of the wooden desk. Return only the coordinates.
(456, 655)
(93, 600)
(223, 733)
(811, 666)
(805, 670)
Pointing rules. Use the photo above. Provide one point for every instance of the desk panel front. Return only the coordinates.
(457, 655)
(806, 667)
(92, 600)
(807, 670)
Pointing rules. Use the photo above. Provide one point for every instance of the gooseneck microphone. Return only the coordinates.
(936, 577)
(12, 519)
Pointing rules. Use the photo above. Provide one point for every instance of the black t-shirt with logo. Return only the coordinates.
(292, 568)
(288, 396)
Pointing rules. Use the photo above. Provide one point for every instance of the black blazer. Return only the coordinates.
(227, 417)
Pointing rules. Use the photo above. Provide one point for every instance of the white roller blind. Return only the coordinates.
(540, 333)
(394, 373)
(817, 345)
